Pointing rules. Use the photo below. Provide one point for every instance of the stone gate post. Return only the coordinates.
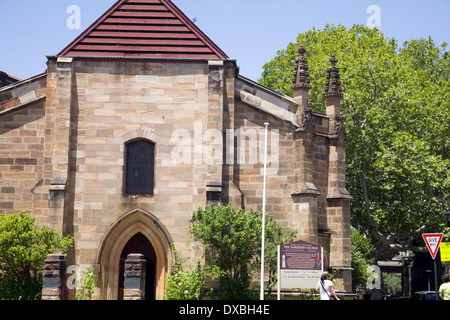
(54, 278)
(134, 277)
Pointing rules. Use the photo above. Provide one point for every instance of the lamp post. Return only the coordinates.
(263, 235)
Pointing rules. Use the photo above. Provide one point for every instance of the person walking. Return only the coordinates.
(325, 288)
(444, 289)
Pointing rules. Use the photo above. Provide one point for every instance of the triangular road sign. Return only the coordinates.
(433, 240)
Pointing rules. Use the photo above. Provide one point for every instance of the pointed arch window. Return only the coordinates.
(140, 167)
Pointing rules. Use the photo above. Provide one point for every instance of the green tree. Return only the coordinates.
(392, 283)
(361, 250)
(233, 239)
(24, 245)
(397, 109)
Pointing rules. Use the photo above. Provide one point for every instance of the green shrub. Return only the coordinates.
(187, 285)
(24, 245)
(87, 285)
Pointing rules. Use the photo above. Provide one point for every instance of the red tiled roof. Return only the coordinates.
(6, 79)
(147, 29)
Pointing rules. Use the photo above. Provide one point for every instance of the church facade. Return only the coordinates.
(141, 120)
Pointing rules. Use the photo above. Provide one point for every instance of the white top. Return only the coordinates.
(327, 284)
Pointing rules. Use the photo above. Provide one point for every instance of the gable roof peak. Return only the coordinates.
(144, 29)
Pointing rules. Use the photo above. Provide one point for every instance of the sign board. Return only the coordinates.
(300, 265)
(445, 251)
(433, 240)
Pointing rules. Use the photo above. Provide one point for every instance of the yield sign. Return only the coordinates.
(433, 240)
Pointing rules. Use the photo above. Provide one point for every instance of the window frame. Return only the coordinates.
(132, 150)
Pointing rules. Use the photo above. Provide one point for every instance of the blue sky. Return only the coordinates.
(250, 31)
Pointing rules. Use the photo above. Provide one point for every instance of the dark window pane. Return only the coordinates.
(140, 168)
(213, 198)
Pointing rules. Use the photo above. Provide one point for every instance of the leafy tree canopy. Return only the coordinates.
(233, 240)
(24, 245)
(396, 107)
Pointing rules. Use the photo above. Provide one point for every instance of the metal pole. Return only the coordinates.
(263, 235)
(436, 280)
(278, 273)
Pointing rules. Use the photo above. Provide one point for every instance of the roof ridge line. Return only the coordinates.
(90, 48)
(196, 30)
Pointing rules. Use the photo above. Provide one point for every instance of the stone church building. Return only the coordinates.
(141, 120)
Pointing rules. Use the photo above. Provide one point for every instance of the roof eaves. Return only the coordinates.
(22, 82)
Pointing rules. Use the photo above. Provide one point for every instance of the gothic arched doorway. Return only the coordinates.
(118, 240)
(139, 244)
